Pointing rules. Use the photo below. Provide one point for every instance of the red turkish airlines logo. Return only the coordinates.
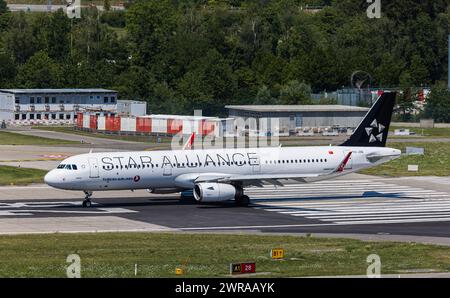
(137, 178)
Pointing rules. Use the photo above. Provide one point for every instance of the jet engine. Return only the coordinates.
(214, 192)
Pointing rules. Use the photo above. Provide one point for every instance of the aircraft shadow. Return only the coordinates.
(367, 194)
(148, 202)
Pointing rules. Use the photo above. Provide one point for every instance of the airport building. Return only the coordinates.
(56, 106)
(291, 118)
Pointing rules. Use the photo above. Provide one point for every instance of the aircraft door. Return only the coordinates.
(167, 170)
(256, 164)
(93, 166)
(349, 164)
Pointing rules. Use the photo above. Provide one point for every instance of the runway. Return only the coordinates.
(413, 207)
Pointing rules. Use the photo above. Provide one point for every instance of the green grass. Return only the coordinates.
(20, 176)
(425, 132)
(435, 161)
(206, 255)
(10, 138)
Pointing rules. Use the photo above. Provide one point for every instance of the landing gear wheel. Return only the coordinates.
(243, 201)
(87, 204)
(87, 200)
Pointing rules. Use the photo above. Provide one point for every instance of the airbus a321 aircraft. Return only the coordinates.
(217, 175)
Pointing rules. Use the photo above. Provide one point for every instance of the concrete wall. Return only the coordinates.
(131, 108)
(342, 119)
(6, 106)
(292, 120)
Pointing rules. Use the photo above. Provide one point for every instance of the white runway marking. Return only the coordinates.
(33, 208)
(354, 202)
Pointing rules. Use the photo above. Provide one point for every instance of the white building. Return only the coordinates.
(26, 106)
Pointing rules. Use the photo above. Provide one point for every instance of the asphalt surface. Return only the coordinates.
(355, 206)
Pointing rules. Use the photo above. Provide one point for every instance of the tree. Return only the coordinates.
(209, 85)
(58, 43)
(40, 71)
(264, 97)
(19, 41)
(419, 72)
(150, 24)
(438, 104)
(7, 70)
(106, 5)
(3, 7)
(294, 93)
(405, 105)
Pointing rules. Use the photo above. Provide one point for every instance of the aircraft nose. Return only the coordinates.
(51, 178)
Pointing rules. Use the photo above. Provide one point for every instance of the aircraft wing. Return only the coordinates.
(259, 179)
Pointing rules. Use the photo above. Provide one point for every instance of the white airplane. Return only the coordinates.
(217, 175)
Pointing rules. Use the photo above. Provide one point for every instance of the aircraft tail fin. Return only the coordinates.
(373, 129)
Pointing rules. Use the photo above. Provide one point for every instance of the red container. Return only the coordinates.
(112, 123)
(143, 124)
(80, 120)
(207, 127)
(93, 119)
(174, 126)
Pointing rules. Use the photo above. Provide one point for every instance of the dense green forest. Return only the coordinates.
(181, 55)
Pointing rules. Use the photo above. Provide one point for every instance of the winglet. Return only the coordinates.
(341, 167)
(190, 142)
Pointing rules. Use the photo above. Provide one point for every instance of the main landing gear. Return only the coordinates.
(87, 199)
(241, 199)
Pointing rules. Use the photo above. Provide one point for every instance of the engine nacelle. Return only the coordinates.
(214, 192)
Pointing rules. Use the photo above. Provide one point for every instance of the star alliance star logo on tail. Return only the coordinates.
(373, 137)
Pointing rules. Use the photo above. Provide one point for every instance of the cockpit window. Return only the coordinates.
(67, 167)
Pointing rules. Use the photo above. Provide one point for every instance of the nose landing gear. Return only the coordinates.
(87, 199)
